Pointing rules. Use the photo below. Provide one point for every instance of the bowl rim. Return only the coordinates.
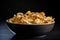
(31, 24)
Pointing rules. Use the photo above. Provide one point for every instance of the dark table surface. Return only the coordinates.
(7, 34)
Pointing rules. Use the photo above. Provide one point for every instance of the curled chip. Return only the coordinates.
(31, 18)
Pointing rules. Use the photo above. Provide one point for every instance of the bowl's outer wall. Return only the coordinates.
(30, 29)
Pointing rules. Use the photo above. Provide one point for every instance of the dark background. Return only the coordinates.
(10, 7)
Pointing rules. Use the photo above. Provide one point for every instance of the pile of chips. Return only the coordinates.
(31, 18)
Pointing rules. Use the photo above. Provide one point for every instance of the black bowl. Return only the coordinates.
(30, 29)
